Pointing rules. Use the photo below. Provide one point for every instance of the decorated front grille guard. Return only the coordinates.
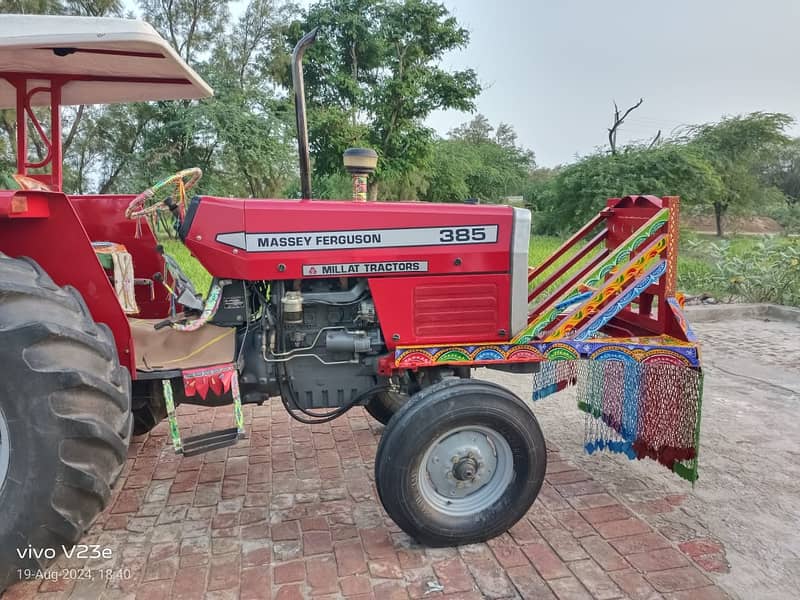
(606, 318)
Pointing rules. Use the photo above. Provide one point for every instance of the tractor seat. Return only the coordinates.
(167, 348)
(118, 264)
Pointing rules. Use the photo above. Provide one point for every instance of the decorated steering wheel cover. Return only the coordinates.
(183, 180)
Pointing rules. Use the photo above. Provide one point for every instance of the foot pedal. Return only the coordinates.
(204, 442)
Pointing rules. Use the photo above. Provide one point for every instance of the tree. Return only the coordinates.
(478, 161)
(476, 131)
(242, 138)
(252, 126)
(192, 27)
(31, 7)
(736, 147)
(784, 171)
(373, 77)
(619, 118)
(578, 191)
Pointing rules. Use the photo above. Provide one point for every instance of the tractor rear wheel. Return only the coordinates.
(460, 463)
(147, 405)
(65, 418)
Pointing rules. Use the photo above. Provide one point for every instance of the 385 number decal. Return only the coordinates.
(455, 235)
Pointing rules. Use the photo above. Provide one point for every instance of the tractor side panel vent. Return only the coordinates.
(470, 310)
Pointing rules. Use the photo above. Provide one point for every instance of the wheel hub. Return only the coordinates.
(466, 470)
(5, 449)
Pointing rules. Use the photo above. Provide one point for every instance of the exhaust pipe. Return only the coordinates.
(300, 110)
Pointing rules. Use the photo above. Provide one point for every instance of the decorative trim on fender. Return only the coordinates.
(649, 349)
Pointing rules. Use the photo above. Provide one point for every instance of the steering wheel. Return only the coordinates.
(149, 202)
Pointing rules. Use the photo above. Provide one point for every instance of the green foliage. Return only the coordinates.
(737, 147)
(243, 138)
(91, 8)
(337, 186)
(749, 270)
(722, 167)
(477, 163)
(192, 27)
(786, 214)
(541, 247)
(31, 7)
(578, 191)
(374, 75)
(784, 171)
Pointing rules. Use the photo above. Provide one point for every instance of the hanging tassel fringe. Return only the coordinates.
(639, 409)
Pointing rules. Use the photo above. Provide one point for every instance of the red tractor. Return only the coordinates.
(324, 304)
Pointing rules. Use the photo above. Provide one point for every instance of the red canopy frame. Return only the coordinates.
(52, 142)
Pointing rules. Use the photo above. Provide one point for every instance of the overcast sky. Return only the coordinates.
(552, 68)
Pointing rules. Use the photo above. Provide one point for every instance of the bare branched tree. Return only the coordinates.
(655, 140)
(618, 120)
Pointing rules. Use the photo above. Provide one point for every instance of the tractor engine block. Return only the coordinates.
(319, 349)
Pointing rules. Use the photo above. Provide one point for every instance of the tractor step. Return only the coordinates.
(213, 440)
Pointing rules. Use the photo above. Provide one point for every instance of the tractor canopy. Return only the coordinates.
(96, 61)
(54, 60)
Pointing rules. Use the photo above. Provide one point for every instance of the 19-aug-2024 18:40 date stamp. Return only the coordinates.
(80, 552)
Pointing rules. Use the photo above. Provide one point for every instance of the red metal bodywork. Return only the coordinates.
(103, 217)
(650, 314)
(464, 294)
(443, 308)
(56, 239)
(220, 215)
(52, 142)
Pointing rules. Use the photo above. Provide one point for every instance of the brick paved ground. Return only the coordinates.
(292, 512)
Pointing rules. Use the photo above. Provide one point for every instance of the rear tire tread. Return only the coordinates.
(66, 495)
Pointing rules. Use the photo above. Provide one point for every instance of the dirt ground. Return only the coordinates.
(746, 225)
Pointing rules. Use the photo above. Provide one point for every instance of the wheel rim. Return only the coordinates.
(466, 470)
(5, 448)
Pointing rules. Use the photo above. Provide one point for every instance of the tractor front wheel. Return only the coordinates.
(460, 463)
(383, 405)
(65, 417)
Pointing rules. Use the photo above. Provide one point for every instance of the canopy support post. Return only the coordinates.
(52, 143)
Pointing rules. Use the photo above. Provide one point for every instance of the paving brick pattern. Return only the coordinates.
(292, 512)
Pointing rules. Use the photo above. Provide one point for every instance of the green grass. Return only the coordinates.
(541, 247)
(190, 265)
(743, 268)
